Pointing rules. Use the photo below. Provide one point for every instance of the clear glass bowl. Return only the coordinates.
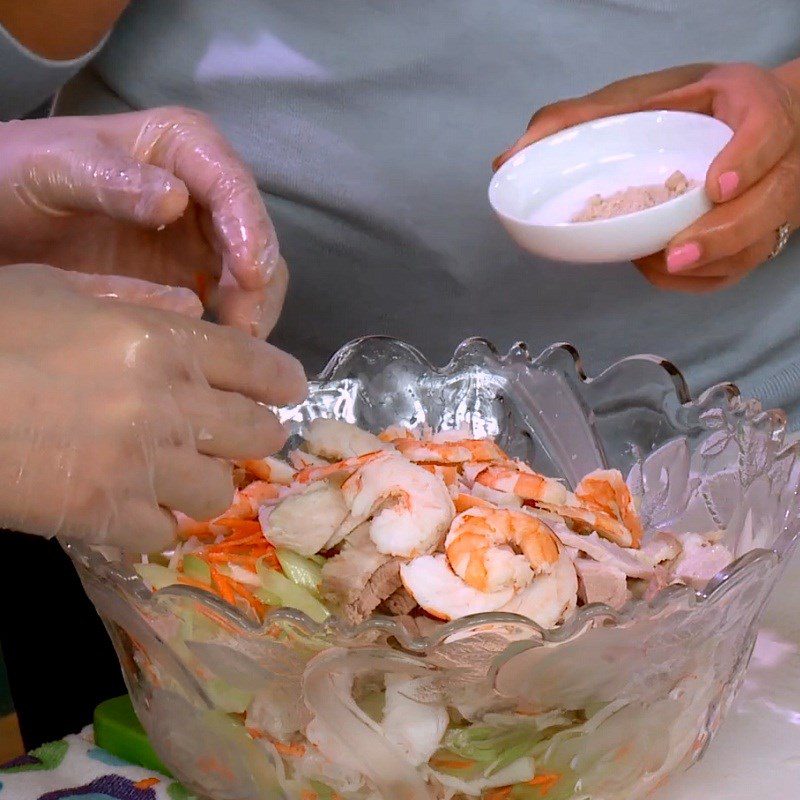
(618, 699)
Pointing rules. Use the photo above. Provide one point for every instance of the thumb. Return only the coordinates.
(621, 97)
(255, 311)
(93, 177)
(557, 117)
(137, 292)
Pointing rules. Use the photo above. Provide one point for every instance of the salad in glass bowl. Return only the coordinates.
(497, 579)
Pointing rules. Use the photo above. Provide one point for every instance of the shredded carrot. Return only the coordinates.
(248, 557)
(242, 541)
(546, 781)
(218, 619)
(256, 733)
(453, 763)
(224, 586)
(199, 530)
(250, 599)
(187, 581)
(246, 561)
(465, 501)
(147, 783)
(236, 549)
(295, 750)
(241, 528)
(307, 794)
(500, 793)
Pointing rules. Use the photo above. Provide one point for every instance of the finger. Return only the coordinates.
(92, 177)
(620, 97)
(254, 312)
(229, 425)
(236, 362)
(553, 118)
(679, 283)
(734, 226)
(763, 124)
(138, 292)
(199, 486)
(736, 265)
(187, 143)
(140, 528)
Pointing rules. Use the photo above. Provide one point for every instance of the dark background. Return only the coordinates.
(59, 659)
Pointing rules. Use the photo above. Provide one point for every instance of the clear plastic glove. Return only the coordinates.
(114, 411)
(158, 195)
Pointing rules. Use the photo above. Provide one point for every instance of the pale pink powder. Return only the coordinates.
(634, 198)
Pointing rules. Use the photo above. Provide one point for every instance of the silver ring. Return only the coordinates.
(783, 233)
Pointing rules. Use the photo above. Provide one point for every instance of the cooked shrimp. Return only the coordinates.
(605, 490)
(447, 472)
(518, 479)
(441, 593)
(300, 460)
(546, 600)
(336, 440)
(396, 432)
(479, 548)
(411, 509)
(247, 501)
(339, 469)
(269, 469)
(186, 527)
(550, 597)
(585, 521)
(464, 501)
(456, 452)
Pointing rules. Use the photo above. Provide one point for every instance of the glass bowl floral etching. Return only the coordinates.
(605, 706)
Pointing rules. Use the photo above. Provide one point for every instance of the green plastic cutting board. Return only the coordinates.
(117, 730)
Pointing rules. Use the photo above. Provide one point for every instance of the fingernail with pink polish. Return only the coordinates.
(728, 182)
(683, 256)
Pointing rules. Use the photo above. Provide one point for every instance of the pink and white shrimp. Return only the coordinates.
(605, 490)
(410, 509)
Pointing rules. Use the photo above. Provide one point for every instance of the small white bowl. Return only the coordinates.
(540, 189)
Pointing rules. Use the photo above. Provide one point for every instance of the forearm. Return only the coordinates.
(789, 73)
(60, 29)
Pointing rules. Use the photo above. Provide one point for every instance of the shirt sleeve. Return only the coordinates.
(27, 80)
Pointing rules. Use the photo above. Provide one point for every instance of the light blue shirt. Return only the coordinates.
(27, 80)
(370, 126)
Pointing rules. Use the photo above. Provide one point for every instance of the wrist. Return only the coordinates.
(789, 75)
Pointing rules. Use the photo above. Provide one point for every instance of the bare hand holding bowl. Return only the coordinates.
(538, 191)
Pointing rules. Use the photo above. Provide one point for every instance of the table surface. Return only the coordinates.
(756, 753)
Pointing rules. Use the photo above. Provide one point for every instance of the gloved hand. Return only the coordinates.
(158, 195)
(112, 410)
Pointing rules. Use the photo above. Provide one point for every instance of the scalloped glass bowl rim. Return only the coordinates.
(632, 611)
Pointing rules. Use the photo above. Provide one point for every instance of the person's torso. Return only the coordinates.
(371, 124)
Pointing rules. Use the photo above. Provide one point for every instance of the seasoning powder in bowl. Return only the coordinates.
(634, 198)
